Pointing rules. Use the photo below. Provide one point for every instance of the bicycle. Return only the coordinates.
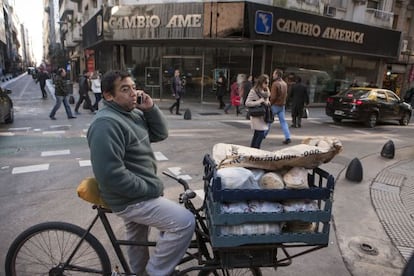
(59, 248)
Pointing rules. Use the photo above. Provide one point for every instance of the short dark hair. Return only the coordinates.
(279, 73)
(109, 78)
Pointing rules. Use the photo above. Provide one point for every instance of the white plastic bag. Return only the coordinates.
(237, 178)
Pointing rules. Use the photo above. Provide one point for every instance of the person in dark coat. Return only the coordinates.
(61, 94)
(299, 98)
(84, 87)
(409, 97)
(177, 91)
(221, 89)
(42, 76)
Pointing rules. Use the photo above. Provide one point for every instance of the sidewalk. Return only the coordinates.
(373, 219)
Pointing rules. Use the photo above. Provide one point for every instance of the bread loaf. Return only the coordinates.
(296, 178)
(271, 180)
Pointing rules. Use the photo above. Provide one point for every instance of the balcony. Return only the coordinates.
(379, 18)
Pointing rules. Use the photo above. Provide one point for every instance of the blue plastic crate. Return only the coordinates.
(321, 189)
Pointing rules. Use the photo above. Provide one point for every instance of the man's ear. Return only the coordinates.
(107, 96)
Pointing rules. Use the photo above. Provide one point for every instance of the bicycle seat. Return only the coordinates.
(88, 190)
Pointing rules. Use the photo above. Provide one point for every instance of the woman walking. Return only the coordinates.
(257, 96)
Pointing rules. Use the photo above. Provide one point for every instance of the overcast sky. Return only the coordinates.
(31, 15)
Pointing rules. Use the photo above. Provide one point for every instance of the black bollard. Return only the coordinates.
(354, 171)
(187, 114)
(388, 150)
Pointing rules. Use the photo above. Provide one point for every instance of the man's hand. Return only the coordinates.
(147, 102)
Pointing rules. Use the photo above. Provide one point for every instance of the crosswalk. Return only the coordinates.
(159, 156)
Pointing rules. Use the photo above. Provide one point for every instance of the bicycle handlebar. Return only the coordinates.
(188, 192)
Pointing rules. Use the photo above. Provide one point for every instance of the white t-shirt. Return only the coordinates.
(96, 85)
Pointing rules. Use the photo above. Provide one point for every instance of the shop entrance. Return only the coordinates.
(191, 68)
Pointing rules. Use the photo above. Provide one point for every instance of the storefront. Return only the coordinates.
(202, 39)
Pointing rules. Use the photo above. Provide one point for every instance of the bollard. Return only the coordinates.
(187, 114)
(388, 150)
(354, 171)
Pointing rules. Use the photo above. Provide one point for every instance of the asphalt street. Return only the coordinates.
(372, 228)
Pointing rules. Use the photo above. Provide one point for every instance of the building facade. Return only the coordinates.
(319, 42)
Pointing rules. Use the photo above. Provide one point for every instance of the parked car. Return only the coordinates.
(6, 106)
(368, 105)
(32, 71)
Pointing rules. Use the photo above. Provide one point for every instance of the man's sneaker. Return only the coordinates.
(287, 141)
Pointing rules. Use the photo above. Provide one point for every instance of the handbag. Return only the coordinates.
(269, 116)
(305, 113)
(257, 111)
(71, 99)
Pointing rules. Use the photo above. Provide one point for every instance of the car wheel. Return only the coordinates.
(337, 120)
(372, 120)
(405, 119)
(10, 119)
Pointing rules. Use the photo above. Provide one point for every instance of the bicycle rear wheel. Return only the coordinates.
(253, 271)
(45, 248)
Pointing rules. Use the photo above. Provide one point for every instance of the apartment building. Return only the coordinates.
(329, 43)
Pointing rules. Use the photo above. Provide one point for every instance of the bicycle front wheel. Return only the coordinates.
(45, 249)
(252, 271)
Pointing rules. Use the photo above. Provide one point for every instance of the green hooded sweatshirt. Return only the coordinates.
(123, 161)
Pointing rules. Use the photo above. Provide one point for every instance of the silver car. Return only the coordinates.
(6, 106)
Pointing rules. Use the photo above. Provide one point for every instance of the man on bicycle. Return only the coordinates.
(124, 165)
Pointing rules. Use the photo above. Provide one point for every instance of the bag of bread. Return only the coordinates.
(310, 154)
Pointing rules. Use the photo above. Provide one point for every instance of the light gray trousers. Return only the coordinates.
(176, 226)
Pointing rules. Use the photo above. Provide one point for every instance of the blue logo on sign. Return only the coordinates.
(264, 22)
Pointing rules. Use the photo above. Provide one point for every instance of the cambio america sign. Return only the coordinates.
(302, 29)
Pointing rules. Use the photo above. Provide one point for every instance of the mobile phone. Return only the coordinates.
(139, 99)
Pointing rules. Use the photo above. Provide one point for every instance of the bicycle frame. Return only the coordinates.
(199, 243)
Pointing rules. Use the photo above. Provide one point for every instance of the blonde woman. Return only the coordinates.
(257, 96)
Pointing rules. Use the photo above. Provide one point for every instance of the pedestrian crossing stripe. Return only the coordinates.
(53, 132)
(159, 156)
(32, 168)
(20, 129)
(55, 152)
(6, 133)
(85, 163)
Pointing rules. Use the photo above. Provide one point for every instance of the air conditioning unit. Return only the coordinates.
(329, 11)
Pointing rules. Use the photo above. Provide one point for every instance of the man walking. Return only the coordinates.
(299, 98)
(278, 95)
(177, 91)
(42, 76)
(84, 87)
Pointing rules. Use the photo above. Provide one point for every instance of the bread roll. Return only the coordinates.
(271, 180)
(296, 178)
